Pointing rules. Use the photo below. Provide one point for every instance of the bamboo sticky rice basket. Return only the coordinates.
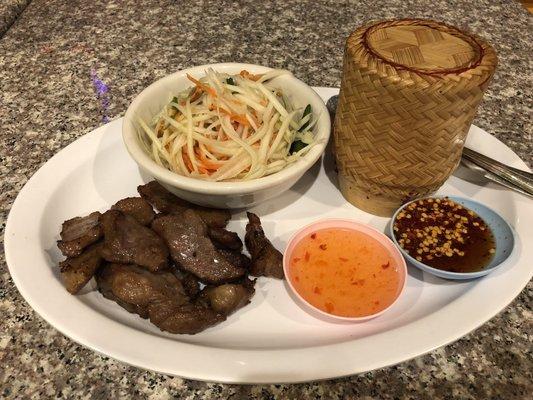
(409, 92)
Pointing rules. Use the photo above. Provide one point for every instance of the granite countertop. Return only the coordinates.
(66, 67)
(9, 12)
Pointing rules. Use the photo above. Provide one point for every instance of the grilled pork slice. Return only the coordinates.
(190, 283)
(157, 296)
(192, 250)
(188, 318)
(77, 271)
(236, 258)
(224, 239)
(266, 260)
(127, 241)
(168, 203)
(78, 233)
(136, 207)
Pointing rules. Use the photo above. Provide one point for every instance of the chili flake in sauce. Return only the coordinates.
(445, 235)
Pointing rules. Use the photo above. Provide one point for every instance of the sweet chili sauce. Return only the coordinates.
(344, 272)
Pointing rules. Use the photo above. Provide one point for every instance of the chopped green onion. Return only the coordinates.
(306, 112)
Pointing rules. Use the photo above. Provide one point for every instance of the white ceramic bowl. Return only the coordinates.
(222, 194)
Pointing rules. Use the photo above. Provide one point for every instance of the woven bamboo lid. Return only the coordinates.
(423, 48)
(409, 92)
(413, 49)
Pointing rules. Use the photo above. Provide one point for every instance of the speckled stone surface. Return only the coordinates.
(54, 52)
(9, 12)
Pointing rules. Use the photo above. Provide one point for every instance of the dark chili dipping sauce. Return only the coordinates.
(445, 235)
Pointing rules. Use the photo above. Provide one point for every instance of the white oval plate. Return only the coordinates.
(272, 339)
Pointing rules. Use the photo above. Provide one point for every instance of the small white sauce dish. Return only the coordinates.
(501, 230)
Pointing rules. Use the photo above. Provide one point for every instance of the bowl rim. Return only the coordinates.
(160, 173)
(450, 274)
(356, 226)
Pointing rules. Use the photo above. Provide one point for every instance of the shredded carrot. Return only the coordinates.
(238, 102)
(254, 118)
(211, 165)
(207, 163)
(246, 75)
(235, 117)
(195, 94)
(187, 160)
(240, 118)
(202, 86)
(203, 170)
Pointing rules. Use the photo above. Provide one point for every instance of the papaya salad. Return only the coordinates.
(229, 128)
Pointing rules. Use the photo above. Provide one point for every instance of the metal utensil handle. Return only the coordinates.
(507, 184)
(493, 178)
(524, 180)
(504, 176)
(483, 158)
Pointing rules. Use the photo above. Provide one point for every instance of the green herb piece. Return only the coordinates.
(307, 111)
(230, 81)
(174, 100)
(296, 146)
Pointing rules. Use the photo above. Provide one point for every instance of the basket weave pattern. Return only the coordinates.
(399, 128)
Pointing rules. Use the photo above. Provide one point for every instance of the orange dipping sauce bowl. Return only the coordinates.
(344, 270)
